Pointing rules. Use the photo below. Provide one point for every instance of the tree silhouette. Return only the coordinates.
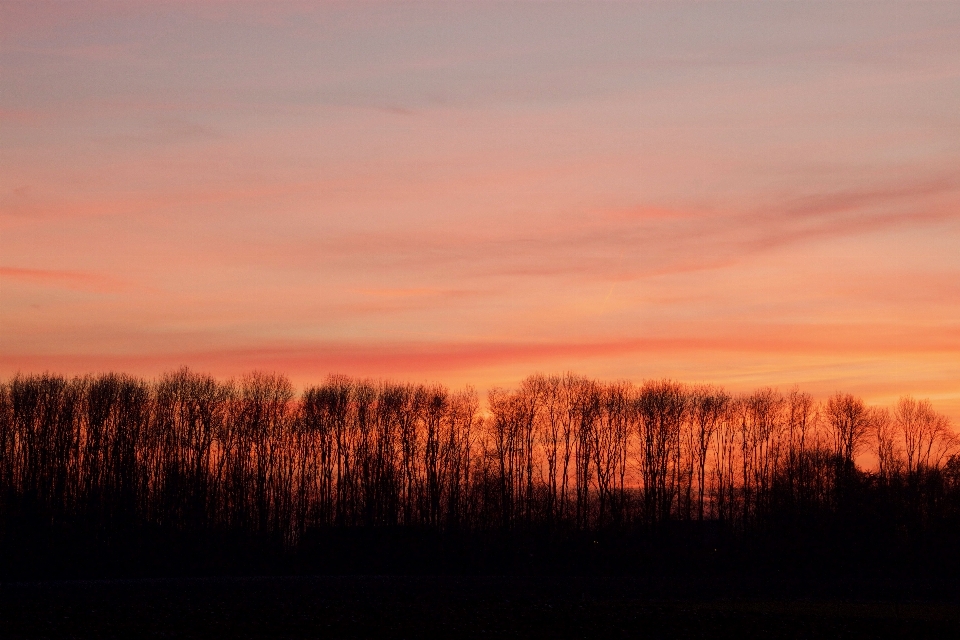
(187, 457)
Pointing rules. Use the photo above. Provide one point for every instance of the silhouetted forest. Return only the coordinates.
(187, 468)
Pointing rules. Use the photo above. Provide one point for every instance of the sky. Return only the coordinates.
(749, 193)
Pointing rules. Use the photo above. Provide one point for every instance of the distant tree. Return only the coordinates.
(113, 457)
(887, 448)
(802, 419)
(849, 422)
(927, 438)
(662, 407)
(708, 410)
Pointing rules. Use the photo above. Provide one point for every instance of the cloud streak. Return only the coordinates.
(415, 358)
(655, 241)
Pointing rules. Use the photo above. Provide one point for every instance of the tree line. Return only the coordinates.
(187, 452)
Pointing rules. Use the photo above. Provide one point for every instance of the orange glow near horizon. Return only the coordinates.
(749, 194)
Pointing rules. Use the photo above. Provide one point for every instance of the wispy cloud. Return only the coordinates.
(645, 241)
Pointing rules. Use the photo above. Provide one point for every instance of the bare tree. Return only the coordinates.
(189, 454)
(726, 445)
(927, 438)
(708, 408)
(802, 419)
(662, 409)
(849, 421)
(888, 450)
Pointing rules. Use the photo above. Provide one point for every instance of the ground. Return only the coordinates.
(461, 607)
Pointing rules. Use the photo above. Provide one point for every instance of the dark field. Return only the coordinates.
(476, 607)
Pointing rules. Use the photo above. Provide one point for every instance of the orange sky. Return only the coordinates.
(743, 193)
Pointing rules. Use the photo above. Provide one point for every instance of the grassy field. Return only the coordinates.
(475, 607)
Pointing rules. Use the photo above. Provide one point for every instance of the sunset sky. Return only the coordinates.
(746, 193)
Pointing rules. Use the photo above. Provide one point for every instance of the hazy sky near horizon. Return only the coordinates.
(745, 193)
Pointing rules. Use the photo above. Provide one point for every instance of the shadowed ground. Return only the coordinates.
(475, 607)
